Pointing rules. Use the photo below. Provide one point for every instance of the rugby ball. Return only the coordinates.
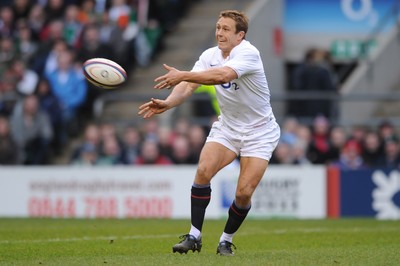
(104, 73)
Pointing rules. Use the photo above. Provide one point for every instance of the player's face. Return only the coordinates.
(226, 35)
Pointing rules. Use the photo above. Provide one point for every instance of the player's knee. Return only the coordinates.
(243, 195)
(242, 199)
(203, 174)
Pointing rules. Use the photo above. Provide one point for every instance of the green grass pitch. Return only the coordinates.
(149, 242)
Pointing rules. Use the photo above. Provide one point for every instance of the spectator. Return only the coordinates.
(181, 127)
(54, 9)
(314, 76)
(119, 11)
(72, 26)
(150, 130)
(27, 79)
(7, 53)
(372, 151)
(122, 49)
(289, 127)
(130, 144)
(337, 139)
(86, 13)
(391, 157)
(92, 46)
(32, 132)
(51, 32)
(8, 82)
(87, 156)
(8, 148)
(36, 20)
(197, 138)
(350, 157)
(150, 154)
(299, 153)
(165, 139)
(91, 136)
(153, 34)
(8, 94)
(111, 152)
(106, 29)
(319, 149)
(108, 130)
(21, 9)
(181, 151)
(282, 154)
(6, 22)
(52, 42)
(120, 37)
(69, 86)
(387, 131)
(357, 133)
(303, 133)
(52, 106)
(26, 46)
(46, 60)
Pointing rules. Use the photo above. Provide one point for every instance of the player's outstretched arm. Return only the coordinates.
(178, 95)
(212, 76)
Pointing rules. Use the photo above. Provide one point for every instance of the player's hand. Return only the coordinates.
(168, 80)
(153, 107)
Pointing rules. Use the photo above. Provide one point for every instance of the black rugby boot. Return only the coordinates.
(225, 248)
(187, 243)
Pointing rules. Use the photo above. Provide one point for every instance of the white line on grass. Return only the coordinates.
(84, 238)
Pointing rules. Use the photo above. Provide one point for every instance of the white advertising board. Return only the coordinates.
(153, 192)
(95, 192)
(285, 191)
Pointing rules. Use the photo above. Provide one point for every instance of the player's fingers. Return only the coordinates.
(143, 111)
(160, 78)
(145, 105)
(162, 85)
(149, 114)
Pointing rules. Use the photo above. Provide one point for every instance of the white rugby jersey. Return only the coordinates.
(245, 101)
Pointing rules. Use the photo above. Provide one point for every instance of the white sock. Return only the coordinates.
(226, 237)
(195, 232)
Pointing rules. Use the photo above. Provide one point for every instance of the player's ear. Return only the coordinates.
(241, 35)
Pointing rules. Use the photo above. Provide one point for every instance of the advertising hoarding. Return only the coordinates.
(153, 192)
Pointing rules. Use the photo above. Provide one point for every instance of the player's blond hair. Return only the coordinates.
(242, 21)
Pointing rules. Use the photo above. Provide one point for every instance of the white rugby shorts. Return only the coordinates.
(260, 143)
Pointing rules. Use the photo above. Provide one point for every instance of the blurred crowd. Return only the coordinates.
(321, 143)
(147, 144)
(44, 98)
(357, 147)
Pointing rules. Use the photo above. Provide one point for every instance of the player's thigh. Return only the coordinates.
(252, 170)
(214, 156)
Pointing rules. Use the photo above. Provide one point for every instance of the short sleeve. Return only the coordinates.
(244, 62)
(203, 62)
